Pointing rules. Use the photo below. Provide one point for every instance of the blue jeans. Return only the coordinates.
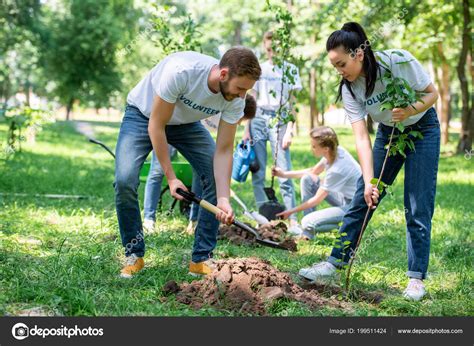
(153, 188)
(421, 170)
(321, 220)
(261, 133)
(153, 185)
(195, 143)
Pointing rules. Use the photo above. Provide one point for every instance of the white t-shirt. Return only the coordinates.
(271, 80)
(342, 175)
(357, 109)
(212, 123)
(181, 78)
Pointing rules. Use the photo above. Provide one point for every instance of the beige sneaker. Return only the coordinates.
(202, 268)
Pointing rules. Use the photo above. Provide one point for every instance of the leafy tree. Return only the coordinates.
(79, 50)
(18, 54)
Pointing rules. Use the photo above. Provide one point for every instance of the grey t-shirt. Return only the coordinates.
(342, 174)
(356, 109)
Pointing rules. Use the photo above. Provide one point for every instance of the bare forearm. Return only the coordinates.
(312, 202)
(222, 172)
(160, 145)
(428, 100)
(364, 152)
(297, 174)
(161, 113)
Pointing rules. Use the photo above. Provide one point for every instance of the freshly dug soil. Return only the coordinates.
(275, 230)
(247, 286)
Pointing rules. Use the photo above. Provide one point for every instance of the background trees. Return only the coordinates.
(91, 53)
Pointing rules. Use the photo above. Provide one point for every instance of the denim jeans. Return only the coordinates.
(261, 133)
(197, 189)
(195, 143)
(421, 169)
(153, 185)
(153, 188)
(321, 220)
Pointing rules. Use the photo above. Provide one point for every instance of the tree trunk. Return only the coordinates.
(237, 41)
(445, 95)
(322, 110)
(6, 92)
(296, 125)
(69, 108)
(467, 119)
(436, 72)
(313, 105)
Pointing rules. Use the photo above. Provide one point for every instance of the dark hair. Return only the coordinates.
(250, 108)
(352, 37)
(241, 61)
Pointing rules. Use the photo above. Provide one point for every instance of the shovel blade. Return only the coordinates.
(258, 238)
(271, 243)
(270, 193)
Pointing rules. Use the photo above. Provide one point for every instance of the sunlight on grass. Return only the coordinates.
(64, 255)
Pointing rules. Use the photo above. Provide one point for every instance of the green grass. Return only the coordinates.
(64, 255)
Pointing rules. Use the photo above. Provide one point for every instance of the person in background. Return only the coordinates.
(269, 93)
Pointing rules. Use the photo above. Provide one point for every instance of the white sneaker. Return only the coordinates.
(415, 290)
(295, 230)
(149, 225)
(191, 226)
(318, 271)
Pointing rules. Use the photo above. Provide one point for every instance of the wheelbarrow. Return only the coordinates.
(182, 169)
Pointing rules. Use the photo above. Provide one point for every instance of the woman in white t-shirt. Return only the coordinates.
(362, 91)
(337, 188)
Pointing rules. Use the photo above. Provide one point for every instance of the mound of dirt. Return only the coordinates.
(275, 231)
(247, 286)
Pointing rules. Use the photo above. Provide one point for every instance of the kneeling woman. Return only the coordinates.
(337, 188)
(362, 90)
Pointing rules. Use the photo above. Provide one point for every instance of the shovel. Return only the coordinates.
(261, 220)
(191, 197)
(272, 207)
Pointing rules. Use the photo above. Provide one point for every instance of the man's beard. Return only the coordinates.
(224, 86)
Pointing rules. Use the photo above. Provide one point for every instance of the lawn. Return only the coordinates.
(62, 256)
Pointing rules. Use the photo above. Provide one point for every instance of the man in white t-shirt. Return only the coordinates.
(166, 107)
(156, 174)
(268, 92)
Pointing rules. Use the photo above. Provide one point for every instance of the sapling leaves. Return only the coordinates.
(282, 43)
(399, 95)
(381, 185)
